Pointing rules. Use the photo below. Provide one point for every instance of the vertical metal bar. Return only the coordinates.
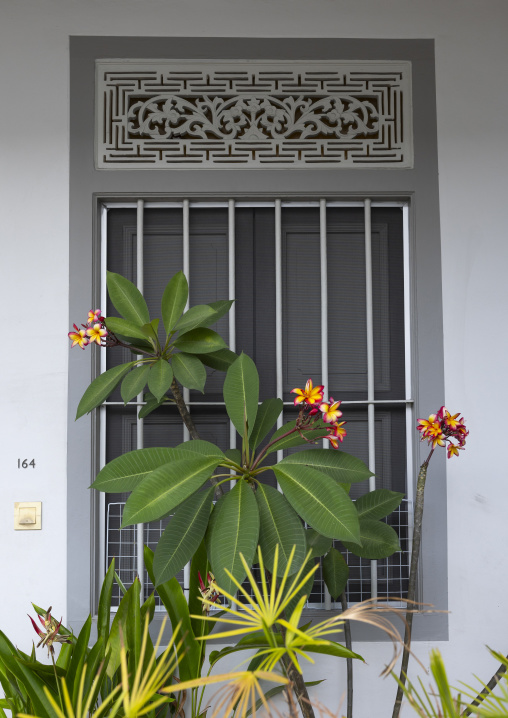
(186, 393)
(232, 314)
(278, 311)
(410, 468)
(324, 329)
(140, 561)
(370, 368)
(102, 410)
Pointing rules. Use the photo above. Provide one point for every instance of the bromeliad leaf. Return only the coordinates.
(267, 415)
(241, 393)
(378, 504)
(166, 487)
(233, 529)
(378, 540)
(134, 383)
(279, 525)
(195, 317)
(126, 472)
(335, 572)
(189, 371)
(160, 378)
(320, 501)
(101, 388)
(127, 299)
(182, 536)
(200, 341)
(174, 300)
(342, 467)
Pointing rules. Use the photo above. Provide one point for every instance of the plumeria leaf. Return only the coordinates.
(195, 317)
(134, 383)
(279, 525)
(127, 299)
(182, 535)
(319, 501)
(378, 540)
(241, 393)
(233, 529)
(334, 649)
(166, 487)
(377, 504)
(101, 388)
(295, 439)
(335, 572)
(189, 371)
(342, 467)
(235, 455)
(316, 543)
(151, 329)
(160, 378)
(220, 360)
(200, 341)
(124, 328)
(219, 308)
(127, 471)
(267, 415)
(151, 404)
(174, 300)
(201, 447)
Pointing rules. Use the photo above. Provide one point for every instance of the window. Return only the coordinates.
(407, 379)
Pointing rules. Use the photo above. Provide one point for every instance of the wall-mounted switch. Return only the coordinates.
(27, 515)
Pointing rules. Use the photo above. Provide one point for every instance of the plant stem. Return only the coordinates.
(193, 432)
(486, 691)
(349, 661)
(411, 591)
(56, 678)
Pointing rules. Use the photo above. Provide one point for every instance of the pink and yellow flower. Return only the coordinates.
(444, 428)
(331, 411)
(337, 434)
(96, 332)
(94, 316)
(78, 337)
(310, 395)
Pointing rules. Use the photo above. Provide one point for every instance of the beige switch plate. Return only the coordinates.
(27, 515)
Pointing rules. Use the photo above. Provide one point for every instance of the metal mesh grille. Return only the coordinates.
(392, 572)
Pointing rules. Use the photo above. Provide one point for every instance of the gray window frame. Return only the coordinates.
(418, 186)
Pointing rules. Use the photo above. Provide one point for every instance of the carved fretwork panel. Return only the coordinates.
(169, 114)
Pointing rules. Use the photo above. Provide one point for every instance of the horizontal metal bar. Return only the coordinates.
(360, 402)
(250, 204)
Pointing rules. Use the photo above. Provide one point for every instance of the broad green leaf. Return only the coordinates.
(160, 378)
(172, 596)
(233, 529)
(101, 388)
(335, 573)
(151, 404)
(377, 504)
(335, 649)
(241, 393)
(118, 634)
(316, 543)
(174, 300)
(200, 341)
(220, 360)
(235, 455)
(126, 472)
(133, 627)
(127, 299)
(219, 308)
(317, 498)
(151, 330)
(342, 467)
(201, 447)
(124, 328)
(134, 383)
(166, 487)
(267, 415)
(78, 659)
(295, 438)
(378, 540)
(189, 371)
(104, 612)
(279, 525)
(182, 535)
(194, 317)
(31, 682)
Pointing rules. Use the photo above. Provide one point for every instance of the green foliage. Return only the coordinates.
(241, 393)
(335, 573)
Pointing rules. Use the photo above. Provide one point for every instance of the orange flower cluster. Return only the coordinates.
(93, 331)
(330, 412)
(442, 428)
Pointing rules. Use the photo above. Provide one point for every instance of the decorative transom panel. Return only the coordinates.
(176, 114)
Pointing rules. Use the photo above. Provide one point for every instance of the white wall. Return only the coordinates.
(472, 102)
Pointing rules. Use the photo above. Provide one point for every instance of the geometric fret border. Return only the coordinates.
(167, 114)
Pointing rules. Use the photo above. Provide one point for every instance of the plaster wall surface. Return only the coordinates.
(472, 107)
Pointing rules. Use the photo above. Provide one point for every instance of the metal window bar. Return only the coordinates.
(278, 205)
(140, 560)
